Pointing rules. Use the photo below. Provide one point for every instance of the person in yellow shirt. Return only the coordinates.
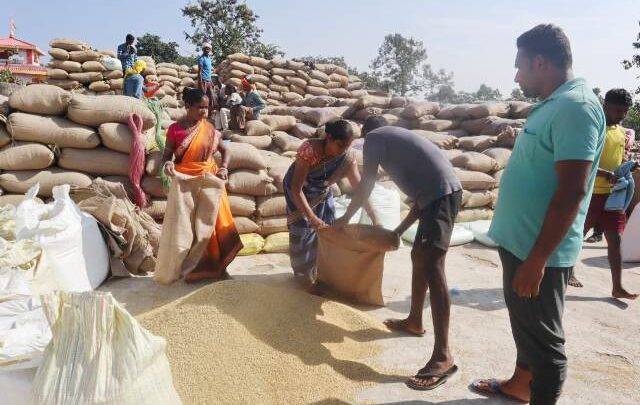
(616, 105)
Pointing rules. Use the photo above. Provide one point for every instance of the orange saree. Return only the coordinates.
(195, 155)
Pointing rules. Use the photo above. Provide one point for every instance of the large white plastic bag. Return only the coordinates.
(386, 204)
(630, 243)
(341, 204)
(459, 236)
(110, 63)
(480, 230)
(100, 354)
(15, 386)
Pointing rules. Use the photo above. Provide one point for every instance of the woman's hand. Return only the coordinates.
(317, 223)
(170, 169)
(223, 173)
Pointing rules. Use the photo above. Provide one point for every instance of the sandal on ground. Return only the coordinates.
(491, 387)
(440, 378)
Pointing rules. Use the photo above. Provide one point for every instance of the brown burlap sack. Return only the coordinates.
(156, 209)
(479, 199)
(279, 122)
(286, 142)
(86, 77)
(250, 182)
(4, 105)
(152, 185)
(291, 96)
(132, 235)
(192, 209)
(14, 199)
(316, 83)
(478, 143)
(67, 65)
(318, 75)
(496, 108)
(340, 93)
(500, 155)
(52, 131)
(259, 142)
(25, 156)
(176, 113)
(271, 225)
(245, 225)
(5, 138)
(498, 125)
(169, 65)
(443, 141)
(242, 205)
(161, 70)
(475, 180)
(240, 57)
(417, 110)
(519, 109)
(99, 161)
(169, 102)
(244, 156)
(256, 128)
(317, 91)
(277, 173)
(93, 66)
(475, 161)
(435, 125)
(116, 136)
(83, 56)
(65, 84)
(248, 69)
(320, 116)
(99, 87)
(97, 110)
(20, 182)
(303, 131)
(40, 99)
(300, 90)
(153, 162)
(319, 101)
(165, 79)
(68, 44)
(474, 214)
(351, 260)
(259, 62)
(451, 153)
(59, 54)
(507, 138)
(271, 206)
(372, 101)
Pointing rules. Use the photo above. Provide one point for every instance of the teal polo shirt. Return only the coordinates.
(568, 125)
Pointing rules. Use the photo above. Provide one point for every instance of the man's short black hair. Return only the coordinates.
(373, 122)
(130, 38)
(549, 41)
(618, 97)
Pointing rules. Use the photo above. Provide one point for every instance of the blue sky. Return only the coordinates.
(474, 39)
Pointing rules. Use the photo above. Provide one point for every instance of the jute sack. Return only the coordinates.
(69, 66)
(446, 113)
(99, 87)
(475, 180)
(94, 111)
(93, 66)
(86, 77)
(340, 93)
(152, 185)
(317, 91)
(279, 80)
(57, 74)
(84, 56)
(372, 101)
(256, 128)
(248, 69)
(156, 209)
(283, 72)
(40, 99)
(277, 243)
(277, 173)
(320, 116)
(507, 138)
(451, 153)
(478, 143)
(250, 182)
(474, 214)
(21, 181)
(259, 62)
(271, 225)
(68, 44)
(242, 205)
(498, 125)
(59, 54)
(65, 84)
(417, 110)
(245, 225)
(475, 161)
(316, 83)
(244, 156)
(300, 90)
(500, 155)
(319, 101)
(260, 142)
(520, 109)
(271, 206)
(99, 161)
(291, 96)
(116, 136)
(442, 141)
(286, 142)
(478, 125)
(303, 131)
(176, 113)
(435, 125)
(25, 156)
(4, 105)
(479, 199)
(498, 109)
(161, 70)
(169, 101)
(318, 75)
(51, 131)
(240, 57)
(5, 139)
(14, 199)
(351, 260)
(192, 209)
(279, 122)
(173, 66)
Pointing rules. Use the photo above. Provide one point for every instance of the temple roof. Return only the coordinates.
(13, 43)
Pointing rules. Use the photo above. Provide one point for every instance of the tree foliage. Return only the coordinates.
(398, 64)
(634, 61)
(438, 86)
(486, 93)
(230, 27)
(518, 95)
(632, 120)
(152, 45)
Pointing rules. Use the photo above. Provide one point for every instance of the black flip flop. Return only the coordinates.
(494, 389)
(441, 379)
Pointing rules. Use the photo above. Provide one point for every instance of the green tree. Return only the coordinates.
(230, 27)
(438, 85)
(518, 95)
(398, 64)
(152, 45)
(632, 120)
(335, 60)
(486, 93)
(598, 92)
(634, 61)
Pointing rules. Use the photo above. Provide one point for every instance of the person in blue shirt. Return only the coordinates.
(205, 77)
(539, 218)
(127, 53)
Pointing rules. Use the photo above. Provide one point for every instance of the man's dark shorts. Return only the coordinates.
(436, 221)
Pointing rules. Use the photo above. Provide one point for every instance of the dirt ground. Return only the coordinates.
(603, 334)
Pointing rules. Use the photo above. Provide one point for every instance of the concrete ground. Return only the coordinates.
(603, 334)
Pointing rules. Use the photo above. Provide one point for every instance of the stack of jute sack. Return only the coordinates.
(54, 137)
(173, 78)
(280, 81)
(76, 66)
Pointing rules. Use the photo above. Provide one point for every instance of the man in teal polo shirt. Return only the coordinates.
(543, 200)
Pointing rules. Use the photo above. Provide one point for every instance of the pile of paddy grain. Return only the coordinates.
(243, 342)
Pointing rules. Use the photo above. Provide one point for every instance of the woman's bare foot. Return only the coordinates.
(623, 294)
(404, 325)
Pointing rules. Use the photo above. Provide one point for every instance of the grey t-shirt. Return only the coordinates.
(415, 164)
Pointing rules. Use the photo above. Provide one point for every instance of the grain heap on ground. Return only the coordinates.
(308, 350)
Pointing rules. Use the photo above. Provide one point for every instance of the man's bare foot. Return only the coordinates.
(404, 325)
(506, 388)
(623, 294)
(574, 282)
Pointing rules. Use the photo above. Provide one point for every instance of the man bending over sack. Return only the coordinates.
(423, 173)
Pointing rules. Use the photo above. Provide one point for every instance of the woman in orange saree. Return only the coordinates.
(192, 141)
